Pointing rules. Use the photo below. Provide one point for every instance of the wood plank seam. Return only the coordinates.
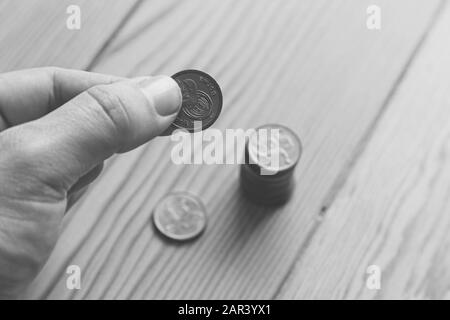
(124, 42)
(342, 177)
(340, 181)
(114, 34)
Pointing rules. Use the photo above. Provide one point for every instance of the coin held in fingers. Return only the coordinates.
(180, 216)
(202, 101)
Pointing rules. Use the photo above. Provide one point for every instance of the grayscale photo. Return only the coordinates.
(226, 155)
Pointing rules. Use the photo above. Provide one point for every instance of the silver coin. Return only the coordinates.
(274, 147)
(180, 216)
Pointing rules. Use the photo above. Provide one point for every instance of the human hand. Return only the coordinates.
(57, 126)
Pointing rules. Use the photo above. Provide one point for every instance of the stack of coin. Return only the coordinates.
(271, 155)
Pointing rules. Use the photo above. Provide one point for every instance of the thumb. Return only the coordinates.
(65, 144)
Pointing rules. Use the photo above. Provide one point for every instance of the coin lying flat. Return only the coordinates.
(180, 216)
(202, 101)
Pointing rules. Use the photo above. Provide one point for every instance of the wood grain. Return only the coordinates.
(311, 65)
(33, 33)
(394, 208)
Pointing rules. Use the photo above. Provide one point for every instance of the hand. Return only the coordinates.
(57, 127)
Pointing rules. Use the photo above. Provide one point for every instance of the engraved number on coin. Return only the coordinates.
(184, 216)
(180, 216)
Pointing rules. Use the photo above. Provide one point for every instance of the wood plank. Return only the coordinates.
(311, 65)
(33, 33)
(394, 208)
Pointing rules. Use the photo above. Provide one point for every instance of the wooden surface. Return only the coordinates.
(394, 209)
(370, 106)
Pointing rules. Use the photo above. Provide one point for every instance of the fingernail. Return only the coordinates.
(164, 93)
